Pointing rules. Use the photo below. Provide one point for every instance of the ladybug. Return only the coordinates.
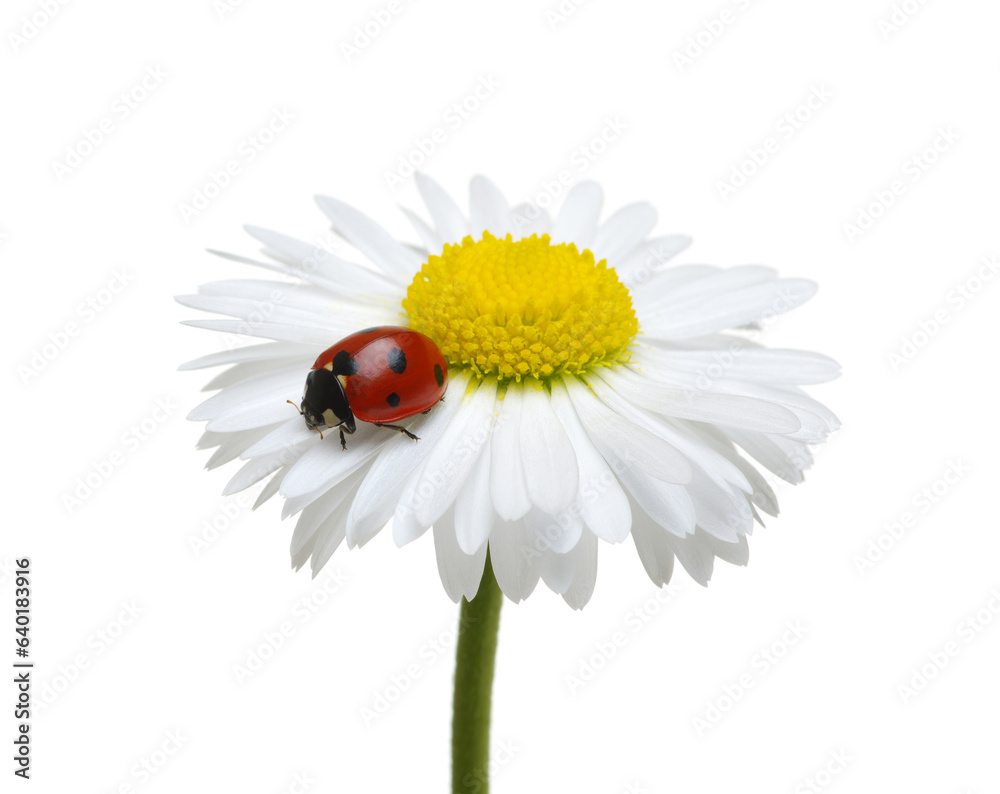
(379, 375)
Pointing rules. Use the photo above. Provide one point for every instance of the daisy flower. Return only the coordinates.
(593, 396)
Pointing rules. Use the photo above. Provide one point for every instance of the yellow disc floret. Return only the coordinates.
(522, 309)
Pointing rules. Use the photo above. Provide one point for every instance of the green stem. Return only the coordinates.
(477, 648)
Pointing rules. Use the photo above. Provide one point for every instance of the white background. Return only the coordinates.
(108, 704)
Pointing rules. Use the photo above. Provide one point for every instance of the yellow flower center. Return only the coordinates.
(522, 309)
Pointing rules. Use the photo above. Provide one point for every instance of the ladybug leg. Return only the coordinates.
(440, 400)
(399, 429)
(343, 441)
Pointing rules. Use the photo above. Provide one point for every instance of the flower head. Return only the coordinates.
(593, 393)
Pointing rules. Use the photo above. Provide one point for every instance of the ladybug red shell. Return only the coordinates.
(379, 375)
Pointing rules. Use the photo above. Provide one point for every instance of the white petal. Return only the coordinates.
(460, 573)
(263, 410)
(384, 250)
(797, 453)
(717, 467)
(270, 488)
(736, 360)
(455, 453)
(623, 443)
(722, 409)
(738, 307)
(244, 371)
(330, 534)
(792, 397)
(668, 504)
(737, 553)
(449, 222)
(557, 570)
(405, 526)
(283, 332)
(428, 236)
(695, 554)
(292, 433)
(653, 547)
(550, 469)
(602, 503)
(762, 496)
(253, 471)
(314, 263)
(640, 265)
(317, 277)
(314, 515)
(381, 489)
(442, 475)
(507, 482)
(585, 577)
(254, 403)
(302, 556)
(232, 445)
(709, 342)
(488, 209)
(253, 313)
(296, 504)
(326, 464)
(766, 450)
(552, 533)
(577, 218)
(528, 220)
(716, 283)
(474, 514)
(516, 574)
(372, 518)
(663, 282)
(208, 439)
(620, 234)
(266, 351)
(784, 410)
(720, 512)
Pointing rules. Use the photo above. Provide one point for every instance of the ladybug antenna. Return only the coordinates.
(302, 413)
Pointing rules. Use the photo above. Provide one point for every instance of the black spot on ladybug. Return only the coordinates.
(438, 375)
(343, 364)
(397, 361)
(370, 330)
(393, 399)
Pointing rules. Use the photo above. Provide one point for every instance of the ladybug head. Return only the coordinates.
(324, 403)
